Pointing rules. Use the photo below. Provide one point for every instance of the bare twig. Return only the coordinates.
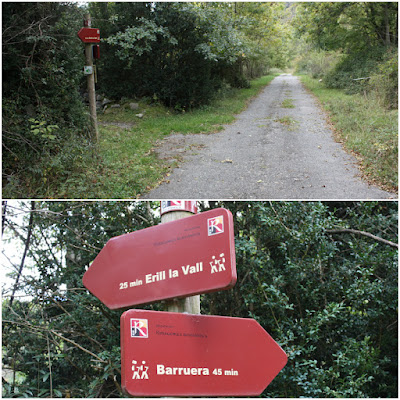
(363, 233)
(266, 298)
(80, 326)
(277, 216)
(49, 358)
(38, 328)
(8, 149)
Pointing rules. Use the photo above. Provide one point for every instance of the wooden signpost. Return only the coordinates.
(182, 354)
(172, 210)
(89, 36)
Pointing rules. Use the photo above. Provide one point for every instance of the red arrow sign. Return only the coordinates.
(172, 354)
(89, 35)
(180, 258)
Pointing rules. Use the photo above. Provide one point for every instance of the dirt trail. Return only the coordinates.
(280, 147)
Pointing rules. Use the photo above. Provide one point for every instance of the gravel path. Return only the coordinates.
(280, 147)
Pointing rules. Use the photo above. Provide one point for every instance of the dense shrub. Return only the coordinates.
(317, 63)
(355, 65)
(163, 52)
(385, 80)
(367, 35)
(330, 301)
(42, 109)
(372, 70)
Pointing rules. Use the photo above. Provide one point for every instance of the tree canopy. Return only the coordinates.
(320, 277)
(364, 36)
(181, 53)
(349, 25)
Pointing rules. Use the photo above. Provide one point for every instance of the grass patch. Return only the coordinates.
(365, 128)
(287, 103)
(125, 165)
(287, 121)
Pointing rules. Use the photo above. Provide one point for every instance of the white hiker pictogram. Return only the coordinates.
(218, 265)
(140, 372)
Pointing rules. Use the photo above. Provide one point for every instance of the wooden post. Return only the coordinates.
(91, 86)
(190, 304)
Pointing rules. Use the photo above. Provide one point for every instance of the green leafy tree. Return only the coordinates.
(348, 26)
(62, 342)
(181, 53)
(174, 52)
(366, 33)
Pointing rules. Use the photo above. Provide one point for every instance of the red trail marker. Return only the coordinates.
(89, 35)
(174, 354)
(181, 258)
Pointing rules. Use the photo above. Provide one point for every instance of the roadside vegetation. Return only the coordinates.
(351, 65)
(366, 128)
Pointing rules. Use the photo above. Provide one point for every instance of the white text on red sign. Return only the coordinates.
(214, 266)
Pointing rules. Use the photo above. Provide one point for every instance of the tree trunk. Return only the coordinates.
(387, 25)
(27, 242)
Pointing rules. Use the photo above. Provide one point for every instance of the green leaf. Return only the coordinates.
(46, 376)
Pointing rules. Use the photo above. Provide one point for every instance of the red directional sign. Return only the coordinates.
(89, 35)
(181, 258)
(173, 354)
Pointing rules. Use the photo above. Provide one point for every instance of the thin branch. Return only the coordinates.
(80, 326)
(266, 298)
(66, 357)
(58, 263)
(37, 211)
(87, 244)
(50, 371)
(363, 233)
(57, 334)
(8, 41)
(3, 216)
(117, 385)
(277, 216)
(78, 346)
(50, 214)
(8, 149)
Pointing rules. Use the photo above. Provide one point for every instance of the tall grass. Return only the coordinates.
(366, 128)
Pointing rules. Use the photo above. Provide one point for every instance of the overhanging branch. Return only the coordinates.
(363, 233)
